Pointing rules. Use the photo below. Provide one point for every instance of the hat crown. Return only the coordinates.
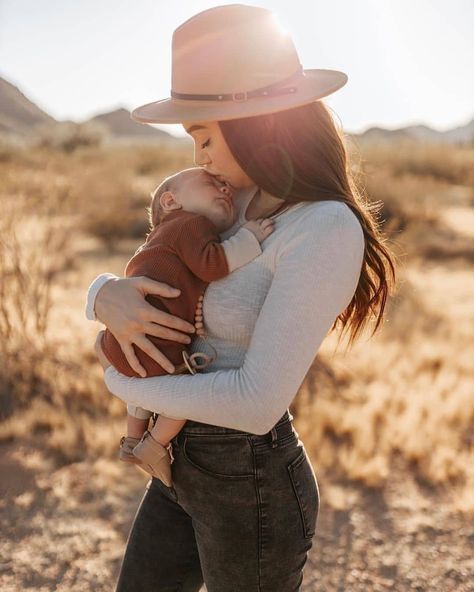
(230, 49)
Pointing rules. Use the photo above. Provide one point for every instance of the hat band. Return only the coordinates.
(272, 90)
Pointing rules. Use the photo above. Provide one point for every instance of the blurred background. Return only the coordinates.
(388, 424)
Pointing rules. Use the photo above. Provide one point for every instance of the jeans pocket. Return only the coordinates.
(224, 458)
(305, 487)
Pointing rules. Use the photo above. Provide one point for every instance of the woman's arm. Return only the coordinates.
(316, 275)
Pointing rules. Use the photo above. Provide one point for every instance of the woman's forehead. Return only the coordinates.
(195, 126)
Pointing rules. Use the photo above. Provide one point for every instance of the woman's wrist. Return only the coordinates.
(92, 292)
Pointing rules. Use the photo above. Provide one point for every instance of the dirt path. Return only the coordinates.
(65, 529)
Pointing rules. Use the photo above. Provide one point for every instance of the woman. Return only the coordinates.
(242, 512)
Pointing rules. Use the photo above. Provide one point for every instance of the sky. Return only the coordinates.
(408, 61)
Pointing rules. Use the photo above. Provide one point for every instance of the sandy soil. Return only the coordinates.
(65, 529)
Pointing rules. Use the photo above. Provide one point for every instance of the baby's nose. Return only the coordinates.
(226, 190)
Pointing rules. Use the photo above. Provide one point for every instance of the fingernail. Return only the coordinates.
(171, 369)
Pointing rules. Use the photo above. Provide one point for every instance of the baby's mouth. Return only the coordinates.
(227, 201)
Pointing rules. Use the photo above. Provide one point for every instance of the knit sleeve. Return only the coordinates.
(198, 245)
(241, 248)
(316, 275)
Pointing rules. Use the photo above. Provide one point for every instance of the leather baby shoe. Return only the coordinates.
(127, 444)
(154, 458)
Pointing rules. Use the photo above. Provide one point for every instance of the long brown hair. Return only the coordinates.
(299, 155)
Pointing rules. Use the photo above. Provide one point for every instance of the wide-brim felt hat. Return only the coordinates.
(235, 61)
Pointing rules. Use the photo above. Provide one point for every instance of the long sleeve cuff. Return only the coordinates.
(92, 292)
(241, 248)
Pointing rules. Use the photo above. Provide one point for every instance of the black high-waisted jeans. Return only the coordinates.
(240, 516)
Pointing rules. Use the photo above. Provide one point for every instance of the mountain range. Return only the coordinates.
(21, 118)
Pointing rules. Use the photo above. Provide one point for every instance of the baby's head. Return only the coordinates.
(193, 190)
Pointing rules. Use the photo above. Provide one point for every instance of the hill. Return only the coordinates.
(20, 117)
(463, 134)
(120, 126)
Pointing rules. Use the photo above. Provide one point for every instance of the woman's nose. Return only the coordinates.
(201, 158)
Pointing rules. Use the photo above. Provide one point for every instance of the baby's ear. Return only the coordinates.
(165, 198)
(168, 201)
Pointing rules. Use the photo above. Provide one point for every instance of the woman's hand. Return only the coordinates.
(120, 304)
(103, 361)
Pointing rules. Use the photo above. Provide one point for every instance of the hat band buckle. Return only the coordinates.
(275, 89)
(239, 97)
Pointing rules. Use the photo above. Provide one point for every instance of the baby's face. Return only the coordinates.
(201, 193)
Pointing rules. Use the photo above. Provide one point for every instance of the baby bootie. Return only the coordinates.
(127, 444)
(154, 458)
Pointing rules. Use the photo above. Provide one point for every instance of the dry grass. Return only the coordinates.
(404, 395)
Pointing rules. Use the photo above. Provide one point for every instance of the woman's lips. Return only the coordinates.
(222, 179)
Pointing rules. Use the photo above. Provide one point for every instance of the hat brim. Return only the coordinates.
(311, 86)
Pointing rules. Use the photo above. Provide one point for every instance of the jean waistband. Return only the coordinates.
(281, 428)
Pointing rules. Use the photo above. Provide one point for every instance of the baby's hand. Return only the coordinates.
(261, 227)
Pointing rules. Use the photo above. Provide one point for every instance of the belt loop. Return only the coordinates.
(274, 437)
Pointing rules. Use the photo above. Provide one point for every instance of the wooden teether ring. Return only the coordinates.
(203, 356)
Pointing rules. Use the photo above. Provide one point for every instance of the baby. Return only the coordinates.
(183, 249)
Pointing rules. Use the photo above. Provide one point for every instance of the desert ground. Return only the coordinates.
(388, 425)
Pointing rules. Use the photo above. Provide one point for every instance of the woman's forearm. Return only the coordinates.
(92, 292)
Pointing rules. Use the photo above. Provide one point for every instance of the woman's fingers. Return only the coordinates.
(165, 333)
(160, 317)
(132, 359)
(149, 286)
(147, 346)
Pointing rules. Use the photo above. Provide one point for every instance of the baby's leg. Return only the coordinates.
(137, 421)
(166, 428)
